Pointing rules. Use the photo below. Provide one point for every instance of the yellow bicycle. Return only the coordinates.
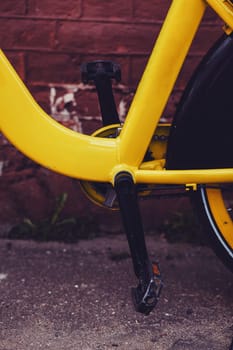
(119, 162)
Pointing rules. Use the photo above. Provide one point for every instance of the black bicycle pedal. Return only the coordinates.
(90, 71)
(146, 295)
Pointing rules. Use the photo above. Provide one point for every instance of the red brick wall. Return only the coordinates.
(46, 41)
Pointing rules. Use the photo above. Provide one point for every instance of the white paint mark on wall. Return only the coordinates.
(122, 109)
(63, 104)
(3, 276)
(62, 108)
(1, 167)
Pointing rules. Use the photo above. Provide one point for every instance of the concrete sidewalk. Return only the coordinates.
(77, 297)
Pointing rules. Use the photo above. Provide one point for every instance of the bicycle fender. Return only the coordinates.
(201, 134)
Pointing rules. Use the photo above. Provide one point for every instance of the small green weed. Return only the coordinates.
(54, 228)
(183, 227)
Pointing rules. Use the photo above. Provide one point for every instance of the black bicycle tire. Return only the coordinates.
(189, 147)
(214, 236)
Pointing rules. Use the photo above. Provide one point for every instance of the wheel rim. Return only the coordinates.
(219, 209)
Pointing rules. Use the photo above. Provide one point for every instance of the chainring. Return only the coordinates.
(102, 193)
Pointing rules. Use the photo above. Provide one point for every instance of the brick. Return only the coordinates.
(58, 184)
(137, 67)
(12, 7)
(153, 10)
(90, 126)
(172, 104)
(53, 68)
(17, 59)
(41, 95)
(108, 10)
(211, 16)
(27, 34)
(55, 8)
(65, 68)
(205, 38)
(87, 103)
(106, 38)
(187, 70)
(26, 199)
(8, 208)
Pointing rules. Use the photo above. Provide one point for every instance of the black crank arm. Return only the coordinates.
(101, 73)
(146, 294)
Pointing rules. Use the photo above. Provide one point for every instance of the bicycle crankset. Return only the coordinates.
(103, 194)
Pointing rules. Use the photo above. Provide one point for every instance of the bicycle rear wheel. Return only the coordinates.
(215, 207)
(201, 138)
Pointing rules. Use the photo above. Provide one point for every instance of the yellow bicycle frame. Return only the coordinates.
(47, 142)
